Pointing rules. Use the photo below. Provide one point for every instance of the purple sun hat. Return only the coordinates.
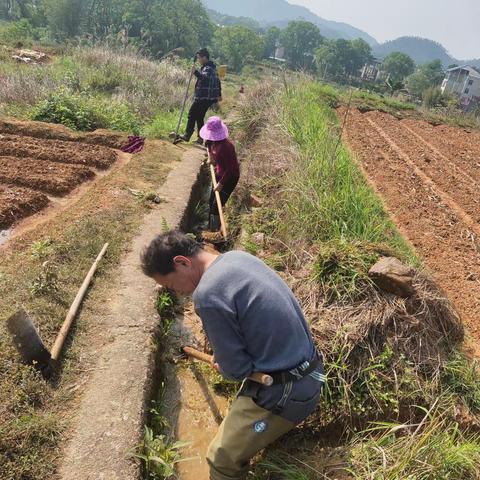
(214, 130)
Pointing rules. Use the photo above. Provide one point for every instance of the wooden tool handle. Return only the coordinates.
(219, 201)
(67, 323)
(258, 377)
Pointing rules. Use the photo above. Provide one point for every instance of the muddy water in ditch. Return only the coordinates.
(193, 409)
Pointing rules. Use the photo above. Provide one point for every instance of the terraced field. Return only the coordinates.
(33, 171)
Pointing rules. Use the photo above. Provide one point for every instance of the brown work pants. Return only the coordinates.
(245, 431)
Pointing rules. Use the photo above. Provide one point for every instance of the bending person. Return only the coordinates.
(254, 324)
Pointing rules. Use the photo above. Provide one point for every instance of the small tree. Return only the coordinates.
(428, 75)
(237, 45)
(300, 40)
(65, 17)
(398, 65)
(270, 41)
(339, 58)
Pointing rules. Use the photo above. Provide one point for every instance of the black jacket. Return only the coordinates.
(208, 86)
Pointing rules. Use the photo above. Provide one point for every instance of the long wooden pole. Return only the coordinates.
(218, 200)
(258, 377)
(67, 323)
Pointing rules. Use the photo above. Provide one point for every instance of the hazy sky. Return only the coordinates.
(454, 23)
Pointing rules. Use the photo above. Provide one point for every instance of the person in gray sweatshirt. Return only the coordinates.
(254, 323)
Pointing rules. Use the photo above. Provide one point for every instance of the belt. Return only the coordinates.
(297, 373)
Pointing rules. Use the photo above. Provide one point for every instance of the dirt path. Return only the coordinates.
(432, 193)
(111, 414)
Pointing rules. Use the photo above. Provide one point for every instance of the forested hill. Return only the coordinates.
(421, 50)
(229, 20)
(280, 12)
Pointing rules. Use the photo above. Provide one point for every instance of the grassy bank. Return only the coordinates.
(396, 404)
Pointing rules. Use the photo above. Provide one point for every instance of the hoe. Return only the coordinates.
(28, 341)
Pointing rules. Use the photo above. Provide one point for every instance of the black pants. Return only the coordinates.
(225, 193)
(196, 115)
(214, 218)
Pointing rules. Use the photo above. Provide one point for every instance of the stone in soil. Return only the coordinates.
(392, 276)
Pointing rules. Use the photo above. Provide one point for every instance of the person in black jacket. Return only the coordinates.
(208, 91)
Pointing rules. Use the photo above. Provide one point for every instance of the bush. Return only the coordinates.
(432, 97)
(81, 111)
(17, 32)
(71, 110)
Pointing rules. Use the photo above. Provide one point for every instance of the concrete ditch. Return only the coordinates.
(114, 406)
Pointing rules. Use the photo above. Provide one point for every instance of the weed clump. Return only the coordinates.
(84, 112)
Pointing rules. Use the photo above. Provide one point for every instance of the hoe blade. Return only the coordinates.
(27, 340)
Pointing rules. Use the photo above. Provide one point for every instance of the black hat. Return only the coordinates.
(203, 52)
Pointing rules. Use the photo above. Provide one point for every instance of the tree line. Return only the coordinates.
(159, 27)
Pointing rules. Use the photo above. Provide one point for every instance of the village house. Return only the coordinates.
(463, 81)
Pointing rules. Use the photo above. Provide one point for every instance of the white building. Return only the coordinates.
(465, 82)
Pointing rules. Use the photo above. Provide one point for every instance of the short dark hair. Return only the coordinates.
(158, 256)
(203, 52)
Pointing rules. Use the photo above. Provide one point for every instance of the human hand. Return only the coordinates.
(215, 365)
(194, 69)
(219, 187)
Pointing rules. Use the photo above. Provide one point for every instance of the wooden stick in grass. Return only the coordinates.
(67, 323)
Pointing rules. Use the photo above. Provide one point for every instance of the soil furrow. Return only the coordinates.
(456, 144)
(467, 176)
(438, 233)
(57, 151)
(49, 177)
(465, 217)
(452, 183)
(17, 203)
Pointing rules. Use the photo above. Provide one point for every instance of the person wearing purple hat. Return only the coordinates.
(224, 158)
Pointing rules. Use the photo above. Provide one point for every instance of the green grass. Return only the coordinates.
(433, 449)
(158, 451)
(328, 197)
(373, 101)
(163, 123)
(88, 88)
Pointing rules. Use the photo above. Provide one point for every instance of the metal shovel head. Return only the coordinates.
(27, 340)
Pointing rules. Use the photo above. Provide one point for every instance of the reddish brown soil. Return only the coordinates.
(57, 151)
(49, 177)
(44, 158)
(17, 203)
(428, 177)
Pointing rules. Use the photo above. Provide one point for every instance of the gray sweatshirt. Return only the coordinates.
(251, 317)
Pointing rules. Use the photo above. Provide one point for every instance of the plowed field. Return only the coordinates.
(429, 178)
(32, 168)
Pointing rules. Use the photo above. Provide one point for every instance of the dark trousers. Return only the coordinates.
(214, 218)
(196, 115)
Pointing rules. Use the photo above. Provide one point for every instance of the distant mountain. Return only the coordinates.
(280, 12)
(421, 50)
(229, 20)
